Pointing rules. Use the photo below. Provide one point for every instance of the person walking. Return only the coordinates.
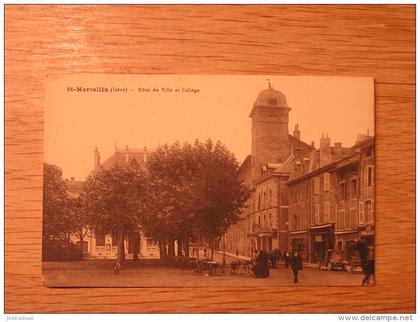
(296, 265)
(369, 266)
(366, 258)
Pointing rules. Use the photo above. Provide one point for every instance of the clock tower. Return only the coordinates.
(270, 130)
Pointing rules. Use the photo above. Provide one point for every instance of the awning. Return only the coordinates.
(298, 232)
(345, 232)
(320, 226)
(367, 233)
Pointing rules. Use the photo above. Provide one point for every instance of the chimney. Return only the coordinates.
(96, 159)
(126, 154)
(338, 149)
(296, 132)
(324, 150)
(313, 144)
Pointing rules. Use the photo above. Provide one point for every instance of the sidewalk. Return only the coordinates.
(305, 264)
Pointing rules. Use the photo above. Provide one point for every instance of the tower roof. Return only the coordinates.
(270, 97)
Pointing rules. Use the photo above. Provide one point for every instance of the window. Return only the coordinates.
(134, 165)
(100, 240)
(316, 213)
(369, 180)
(327, 211)
(369, 151)
(269, 196)
(342, 191)
(312, 219)
(273, 101)
(259, 201)
(316, 185)
(361, 214)
(340, 219)
(353, 218)
(326, 182)
(149, 243)
(353, 188)
(368, 212)
(347, 220)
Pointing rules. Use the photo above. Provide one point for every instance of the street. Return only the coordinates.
(151, 273)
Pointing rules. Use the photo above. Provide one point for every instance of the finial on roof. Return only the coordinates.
(269, 84)
(116, 146)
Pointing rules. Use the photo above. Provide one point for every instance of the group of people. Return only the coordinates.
(262, 259)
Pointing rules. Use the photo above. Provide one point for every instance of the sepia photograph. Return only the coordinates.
(208, 181)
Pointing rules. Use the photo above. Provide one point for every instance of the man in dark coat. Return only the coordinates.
(296, 265)
(366, 255)
(262, 264)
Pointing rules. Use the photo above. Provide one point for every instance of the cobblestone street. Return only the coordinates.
(150, 273)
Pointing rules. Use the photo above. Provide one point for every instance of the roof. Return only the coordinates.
(74, 188)
(128, 157)
(267, 97)
(270, 97)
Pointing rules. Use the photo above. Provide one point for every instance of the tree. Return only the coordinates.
(170, 185)
(197, 191)
(116, 200)
(77, 218)
(219, 192)
(54, 204)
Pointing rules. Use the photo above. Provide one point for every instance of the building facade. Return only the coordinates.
(313, 200)
(106, 246)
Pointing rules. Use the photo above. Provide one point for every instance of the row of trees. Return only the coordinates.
(189, 192)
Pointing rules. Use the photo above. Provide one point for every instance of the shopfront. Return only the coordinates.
(298, 240)
(321, 239)
(345, 242)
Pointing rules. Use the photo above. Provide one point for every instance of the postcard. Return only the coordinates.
(208, 181)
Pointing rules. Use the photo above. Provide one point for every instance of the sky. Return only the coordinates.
(195, 107)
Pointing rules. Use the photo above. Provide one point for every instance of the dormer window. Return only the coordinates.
(273, 101)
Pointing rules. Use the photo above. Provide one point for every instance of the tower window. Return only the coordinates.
(273, 101)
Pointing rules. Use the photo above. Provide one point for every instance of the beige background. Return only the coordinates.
(375, 41)
(75, 123)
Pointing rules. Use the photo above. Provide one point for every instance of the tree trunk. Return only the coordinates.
(171, 247)
(179, 242)
(136, 246)
(121, 248)
(187, 247)
(81, 245)
(198, 247)
(212, 249)
(162, 250)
